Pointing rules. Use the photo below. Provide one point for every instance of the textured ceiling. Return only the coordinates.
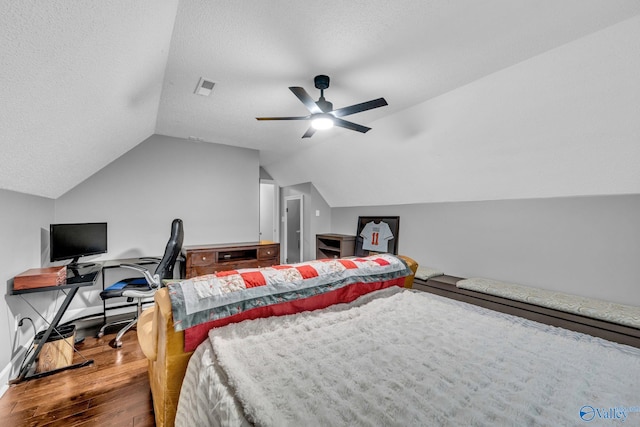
(407, 51)
(84, 82)
(80, 86)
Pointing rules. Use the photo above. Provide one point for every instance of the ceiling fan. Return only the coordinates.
(323, 116)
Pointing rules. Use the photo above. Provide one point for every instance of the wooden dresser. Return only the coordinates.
(207, 259)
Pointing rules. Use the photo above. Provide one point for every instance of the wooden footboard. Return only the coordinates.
(446, 286)
(168, 361)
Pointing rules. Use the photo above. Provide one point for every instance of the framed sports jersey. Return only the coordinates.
(377, 234)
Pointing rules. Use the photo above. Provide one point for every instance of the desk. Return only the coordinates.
(83, 275)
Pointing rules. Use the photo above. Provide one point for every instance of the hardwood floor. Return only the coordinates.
(114, 391)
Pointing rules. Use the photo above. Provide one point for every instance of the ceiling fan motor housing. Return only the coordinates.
(321, 82)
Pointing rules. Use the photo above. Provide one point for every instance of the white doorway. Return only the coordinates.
(293, 229)
(269, 211)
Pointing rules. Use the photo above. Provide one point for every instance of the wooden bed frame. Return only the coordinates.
(446, 286)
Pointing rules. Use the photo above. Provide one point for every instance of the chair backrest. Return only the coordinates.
(171, 252)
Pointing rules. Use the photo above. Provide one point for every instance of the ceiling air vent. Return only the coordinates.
(204, 87)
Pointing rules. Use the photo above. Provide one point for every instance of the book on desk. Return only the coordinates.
(40, 278)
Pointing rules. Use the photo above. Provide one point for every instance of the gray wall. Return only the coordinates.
(313, 224)
(213, 188)
(582, 245)
(22, 219)
(319, 213)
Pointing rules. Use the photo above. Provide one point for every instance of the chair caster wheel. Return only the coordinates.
(115, 344)
(100, 334)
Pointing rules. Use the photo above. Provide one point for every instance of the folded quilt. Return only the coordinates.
(216, 296)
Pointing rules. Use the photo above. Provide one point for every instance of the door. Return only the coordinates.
(269, 195)
(293, 230)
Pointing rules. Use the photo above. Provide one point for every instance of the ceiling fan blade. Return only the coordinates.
(284, 118)
(350, 125)
(306, 99)
(309, 133)
(357, 108)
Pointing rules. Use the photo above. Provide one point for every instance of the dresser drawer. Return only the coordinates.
(202, 258)
(269, 252)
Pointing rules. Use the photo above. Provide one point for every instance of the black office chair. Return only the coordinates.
(140, 288)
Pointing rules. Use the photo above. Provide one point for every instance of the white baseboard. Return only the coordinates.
(4, 379)
(11, 370)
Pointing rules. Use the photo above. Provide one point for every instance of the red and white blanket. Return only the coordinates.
(226, 297)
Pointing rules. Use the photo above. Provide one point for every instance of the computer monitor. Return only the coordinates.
(72, 241)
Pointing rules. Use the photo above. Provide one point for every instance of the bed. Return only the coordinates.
(169, 331)
(397, 356)
(403, 357)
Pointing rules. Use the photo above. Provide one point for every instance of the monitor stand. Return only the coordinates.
(74, 264)
(77, 271)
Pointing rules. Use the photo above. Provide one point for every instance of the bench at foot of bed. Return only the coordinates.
(445, 285)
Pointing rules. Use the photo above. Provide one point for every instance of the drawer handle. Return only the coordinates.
(204, 258)
(268, 252)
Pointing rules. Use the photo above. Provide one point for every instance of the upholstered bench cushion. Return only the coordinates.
(426, 273)
(598, 309)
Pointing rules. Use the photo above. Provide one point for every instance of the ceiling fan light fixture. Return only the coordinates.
(322, 122)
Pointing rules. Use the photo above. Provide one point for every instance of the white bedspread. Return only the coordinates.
(408, 359)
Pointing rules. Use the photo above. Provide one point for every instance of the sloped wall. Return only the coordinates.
(213, 188)
(561, 124)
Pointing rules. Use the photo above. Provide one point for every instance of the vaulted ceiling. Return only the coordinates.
(84, 82)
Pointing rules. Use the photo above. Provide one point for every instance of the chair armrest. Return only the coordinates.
(153, 281)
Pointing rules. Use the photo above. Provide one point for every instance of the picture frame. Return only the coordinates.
(363, 248)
